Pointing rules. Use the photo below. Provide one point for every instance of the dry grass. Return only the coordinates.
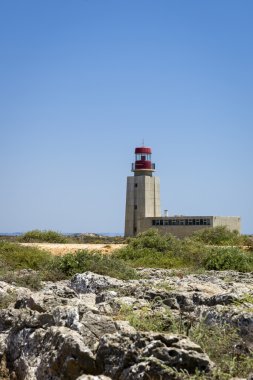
(62, 249)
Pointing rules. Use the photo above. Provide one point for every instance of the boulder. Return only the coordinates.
(149, 355)
(55, 353)
(89, 282)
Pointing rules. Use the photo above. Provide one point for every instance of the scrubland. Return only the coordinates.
(194, 286)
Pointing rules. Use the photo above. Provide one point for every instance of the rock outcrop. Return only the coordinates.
(76, 330)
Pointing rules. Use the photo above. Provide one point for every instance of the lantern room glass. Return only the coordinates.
(143, 157)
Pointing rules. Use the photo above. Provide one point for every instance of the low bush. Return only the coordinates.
(149, 258)
(151, 249)
(219, 235)
(229, 258)
(84, 260)
(95, 239)
(36, 236)
(152, 239)
(14, 256)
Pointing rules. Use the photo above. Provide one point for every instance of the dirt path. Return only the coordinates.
(62, 249)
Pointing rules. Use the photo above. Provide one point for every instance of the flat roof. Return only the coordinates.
(190, 216)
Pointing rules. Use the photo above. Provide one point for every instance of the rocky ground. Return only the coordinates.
(90, 327)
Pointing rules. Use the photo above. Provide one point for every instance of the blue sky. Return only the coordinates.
(82, 82)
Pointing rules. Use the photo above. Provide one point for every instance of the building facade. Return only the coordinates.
(143, 206)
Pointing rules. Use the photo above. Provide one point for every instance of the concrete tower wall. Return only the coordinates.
(142, 200)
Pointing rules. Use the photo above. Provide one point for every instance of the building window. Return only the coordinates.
(135, 207)
(136, 185)
(181, 222)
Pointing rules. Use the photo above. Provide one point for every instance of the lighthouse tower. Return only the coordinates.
(143, 192)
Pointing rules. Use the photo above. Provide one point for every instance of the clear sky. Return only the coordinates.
(82, 82)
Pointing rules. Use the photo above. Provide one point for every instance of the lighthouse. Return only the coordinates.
(143, 210)
(143, 192)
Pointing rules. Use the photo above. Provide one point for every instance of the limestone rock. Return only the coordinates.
(73, 329)
(89, 282)
(90, 377)
(57, 353)
(145, 355)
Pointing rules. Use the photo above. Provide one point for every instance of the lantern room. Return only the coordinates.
(143, 164)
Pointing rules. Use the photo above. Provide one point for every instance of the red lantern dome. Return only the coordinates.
(143, 164)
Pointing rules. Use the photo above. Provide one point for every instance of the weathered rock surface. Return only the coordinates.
(74, 329)
(145, 355)
(93, 283)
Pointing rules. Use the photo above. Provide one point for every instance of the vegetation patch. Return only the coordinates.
(14, 257)
(229, 258)
(31, 280)
(222, 343)
(163, 285)
(153, 250)
(225, 348)
(245, 302)
(7, 299)
(146, 319)
(47, 236)
(150, 249)
(82, 261)
(221, 235)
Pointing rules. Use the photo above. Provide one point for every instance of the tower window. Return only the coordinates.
(136, 185)
(135, 207)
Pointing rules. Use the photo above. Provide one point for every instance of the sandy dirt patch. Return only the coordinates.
(62, 249)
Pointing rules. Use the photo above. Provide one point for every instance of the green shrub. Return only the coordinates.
(152, 239)
(152, 249)
(42, 236)
(95, 239)
(229, 258)
(84, 260)
(14, 256)
(149, 258)
(220, 235)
